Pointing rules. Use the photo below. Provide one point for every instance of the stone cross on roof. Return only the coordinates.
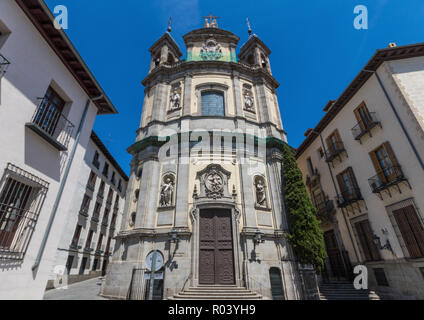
(211, 23)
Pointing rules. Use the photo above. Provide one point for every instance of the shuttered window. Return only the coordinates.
(385, 163)
(348, 184)
(212, 104)
(411, 229)
(363, 116)
(365, 237)
(334, 142)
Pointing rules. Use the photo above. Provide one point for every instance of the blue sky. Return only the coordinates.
(316, 51)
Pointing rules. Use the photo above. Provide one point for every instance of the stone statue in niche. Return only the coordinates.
(260, 191)
(248, 101)
(167, 191)
(175, 102)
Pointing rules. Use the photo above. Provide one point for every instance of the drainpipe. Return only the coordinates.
(420, 160)
(62, 184)
(337, 193)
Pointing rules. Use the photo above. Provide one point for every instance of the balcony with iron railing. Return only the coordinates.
(4, 64)
(96, 163)
(109, 200)
(101, 193)
(105, 222)
(84, 211)
(50, 124)
(334, 150)
(325, 208)
(89, 247)
(91, 184)
(100, 249)
(95, 218)
(349, 197)
(364, 127)
(386, 178)
(76, 244)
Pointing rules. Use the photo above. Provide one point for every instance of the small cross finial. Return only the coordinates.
(170, 25)
(249, 27)
(212, 21)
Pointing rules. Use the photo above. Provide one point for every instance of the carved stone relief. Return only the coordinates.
(211, 50)
(213, 182)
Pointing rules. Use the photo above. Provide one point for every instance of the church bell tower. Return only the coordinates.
(204, 205)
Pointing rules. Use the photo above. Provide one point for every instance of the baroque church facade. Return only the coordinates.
(205, 199)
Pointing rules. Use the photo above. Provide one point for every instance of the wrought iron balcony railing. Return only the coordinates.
(364, 127)
(386, 178)
(334, 150)
(84, 211)
(76, 244)
(91, 185)
(49, 123)
(96, 163)
(349, 197)
(4, 64)
(105, 222)
(95, 218)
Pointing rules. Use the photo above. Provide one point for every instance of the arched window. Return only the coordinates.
(212, 103)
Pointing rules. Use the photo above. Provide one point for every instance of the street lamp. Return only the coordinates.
(174, 236)
(377, 242)
(257, 238)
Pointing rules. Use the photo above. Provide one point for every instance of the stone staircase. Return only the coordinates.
(216, 293)
(344, 291)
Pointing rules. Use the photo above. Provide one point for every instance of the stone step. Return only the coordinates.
(220, 294)
(177, 297)
(345, 291)
(218, 289)
(216, 293)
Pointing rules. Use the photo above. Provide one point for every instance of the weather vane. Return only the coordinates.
(170, 25)
(249, 27)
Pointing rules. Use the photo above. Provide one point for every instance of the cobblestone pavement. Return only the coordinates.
(85, 290)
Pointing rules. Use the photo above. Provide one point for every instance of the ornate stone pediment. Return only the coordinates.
(214, 182)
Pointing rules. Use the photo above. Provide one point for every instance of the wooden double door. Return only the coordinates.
(216, 256)
(334, 256)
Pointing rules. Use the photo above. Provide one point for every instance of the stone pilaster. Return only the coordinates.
(148, 199)
(187, 94)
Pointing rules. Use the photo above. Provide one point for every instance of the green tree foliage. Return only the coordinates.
(305, 234)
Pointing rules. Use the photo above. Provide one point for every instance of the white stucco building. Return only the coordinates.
(48, 106)
(93, 218)
(364, 167)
